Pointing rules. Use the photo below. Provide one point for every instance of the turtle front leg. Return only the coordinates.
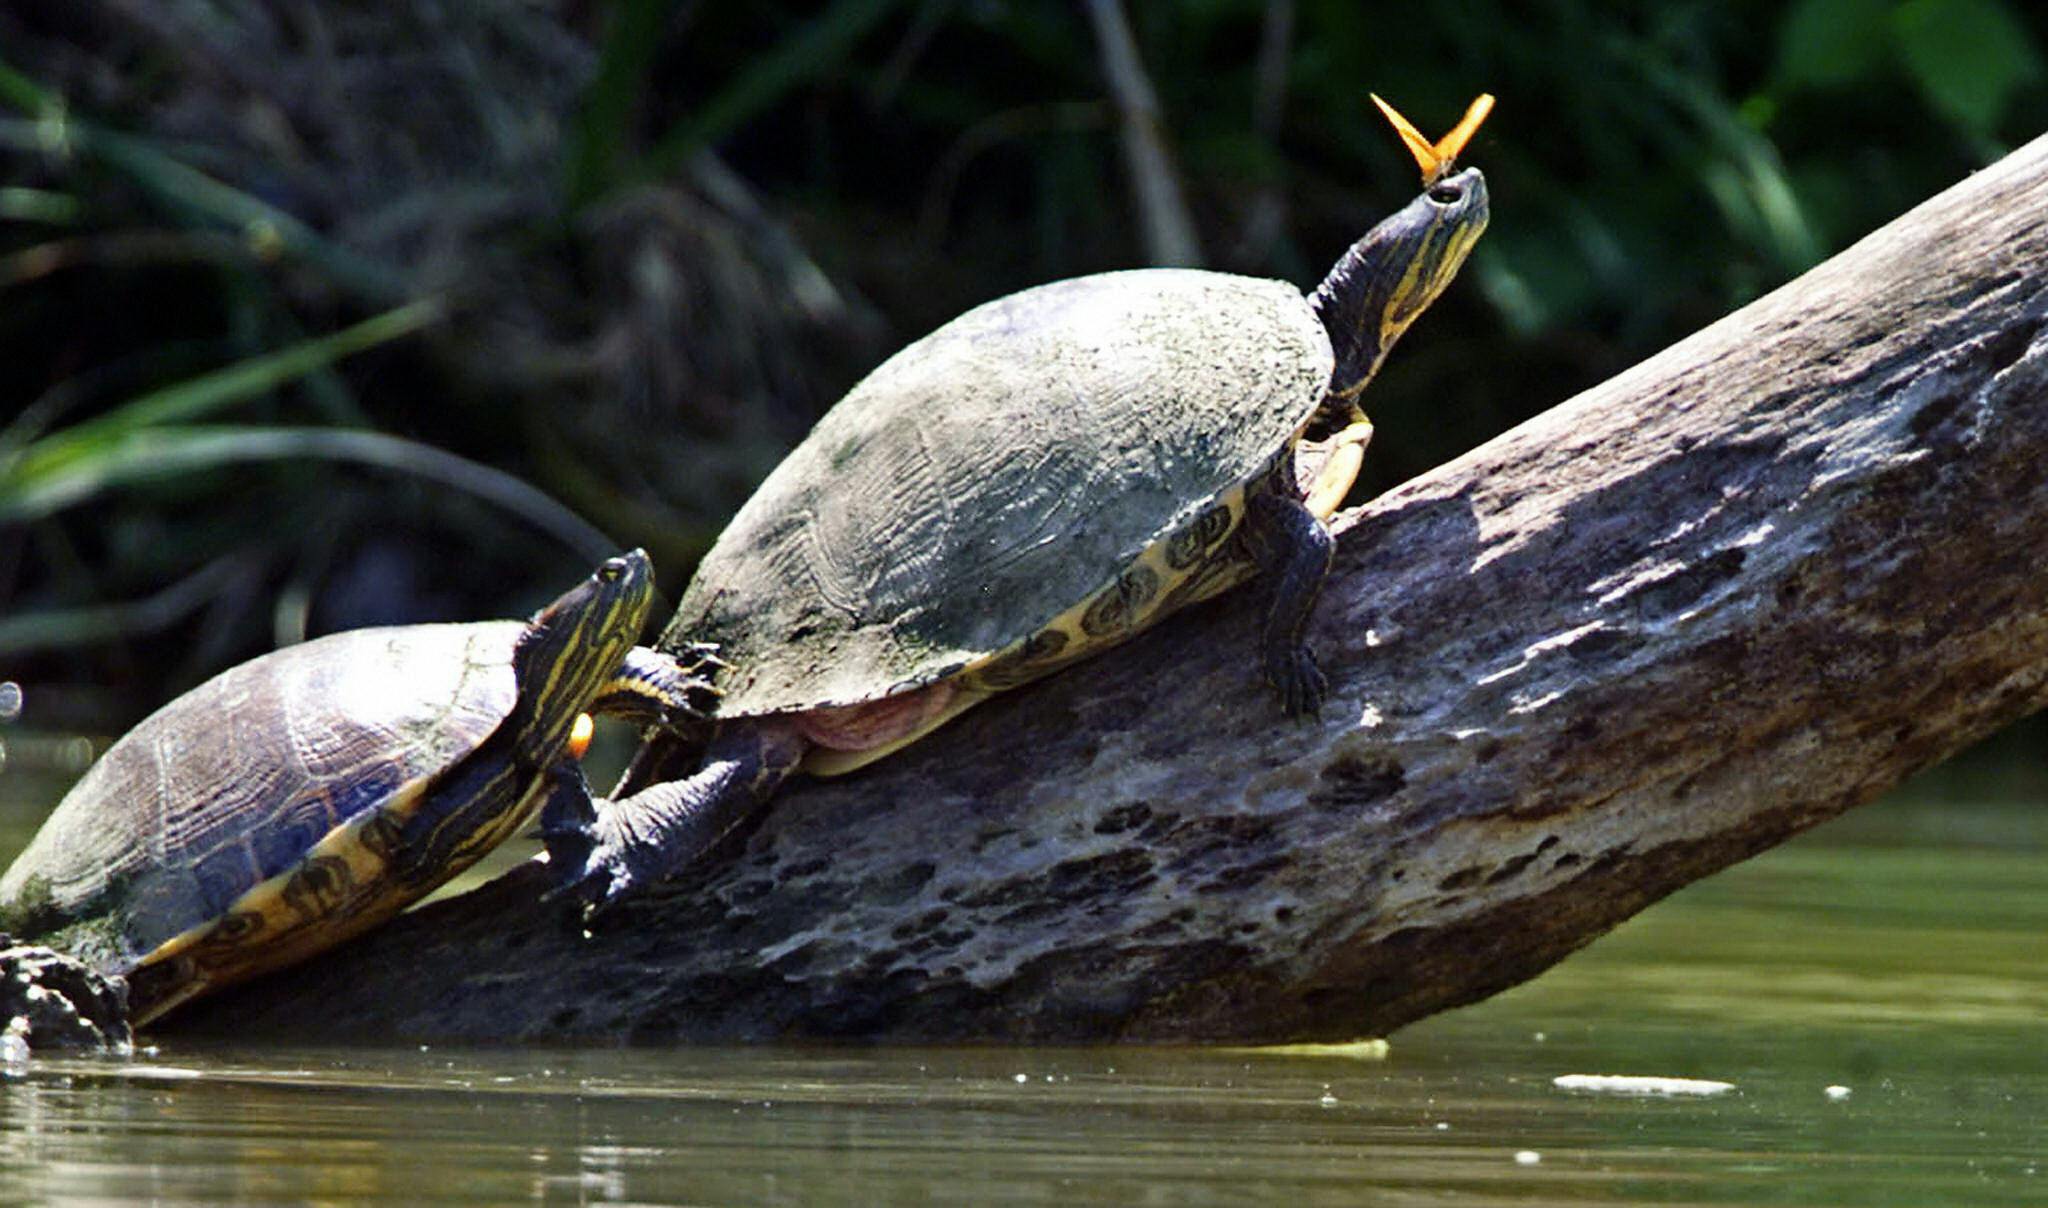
(1343, 453)
(653, 687)
(620, 847)
(569, 808)
(1293, 549)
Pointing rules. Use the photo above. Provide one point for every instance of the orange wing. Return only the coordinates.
(1435, 158)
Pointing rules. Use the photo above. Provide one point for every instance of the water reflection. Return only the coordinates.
(1905, 966)
(1442, 1119)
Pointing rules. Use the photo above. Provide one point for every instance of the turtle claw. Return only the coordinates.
(595, 858)
(590, 895)
(623, 846)
(601, 859)
(696, 665)
(700, 657)
(581, 847)
(681, 715)
(583, 871)
(1301, 683)
(1294, 548)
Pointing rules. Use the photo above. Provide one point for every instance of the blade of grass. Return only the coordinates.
(599, 138)
(212, 392)
(1760, 185)
(21, 204)
(153, 454)
(822, 42)
(187, 191)
(117, 376)
(96, 624)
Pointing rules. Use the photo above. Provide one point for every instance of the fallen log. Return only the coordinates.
(1740, 588)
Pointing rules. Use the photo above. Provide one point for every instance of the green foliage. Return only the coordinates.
(40, 473)
(32, 912)
(1970, 58)
(1834, 43)
(632, 37)
(234, 395)
(188, 193)
(813, 48)
(596, 158)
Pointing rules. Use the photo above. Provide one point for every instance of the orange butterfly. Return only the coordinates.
(1435, 158)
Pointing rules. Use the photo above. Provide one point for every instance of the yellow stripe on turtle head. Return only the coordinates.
(574, 648)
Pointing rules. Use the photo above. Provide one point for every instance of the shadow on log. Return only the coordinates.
(1740, 588)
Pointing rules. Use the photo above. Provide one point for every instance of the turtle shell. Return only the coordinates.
(995, 474)
(235, 781)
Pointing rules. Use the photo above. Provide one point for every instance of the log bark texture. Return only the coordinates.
(1734, 591)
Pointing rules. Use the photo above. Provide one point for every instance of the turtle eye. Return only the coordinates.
(1446, 195)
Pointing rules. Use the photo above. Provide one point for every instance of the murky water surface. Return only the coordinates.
(1897, 956)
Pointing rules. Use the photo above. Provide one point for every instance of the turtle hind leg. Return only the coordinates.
(1293, 549)
(158, 987)
(609, 850)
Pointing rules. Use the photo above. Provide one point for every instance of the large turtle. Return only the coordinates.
(305, 796)
(1038, 479)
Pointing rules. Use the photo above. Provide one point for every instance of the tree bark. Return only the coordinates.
(1740, 588)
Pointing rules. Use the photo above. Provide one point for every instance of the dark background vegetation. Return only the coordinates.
(315, 316)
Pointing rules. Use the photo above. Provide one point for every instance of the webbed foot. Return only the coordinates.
(695, 693)
(599, 859)
(618, 848)
(701, 660)
(660, 689)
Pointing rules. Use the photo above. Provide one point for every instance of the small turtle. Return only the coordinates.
(1033, 482)
(308, 795)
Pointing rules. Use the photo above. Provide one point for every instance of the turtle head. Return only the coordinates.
(1398, 269)
(1392, 275)
(573, 648)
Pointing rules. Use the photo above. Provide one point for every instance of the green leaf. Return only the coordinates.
(598, 139)
(208, 393)
(1829, 43)
(19, 204)
(140, 456)
(806, 55)
(196, 196)
(1968, 57)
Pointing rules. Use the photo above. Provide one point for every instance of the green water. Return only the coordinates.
(1898, 953)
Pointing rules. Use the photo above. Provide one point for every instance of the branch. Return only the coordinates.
(1266, 218)
(1740, 588)
(1169, 233)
